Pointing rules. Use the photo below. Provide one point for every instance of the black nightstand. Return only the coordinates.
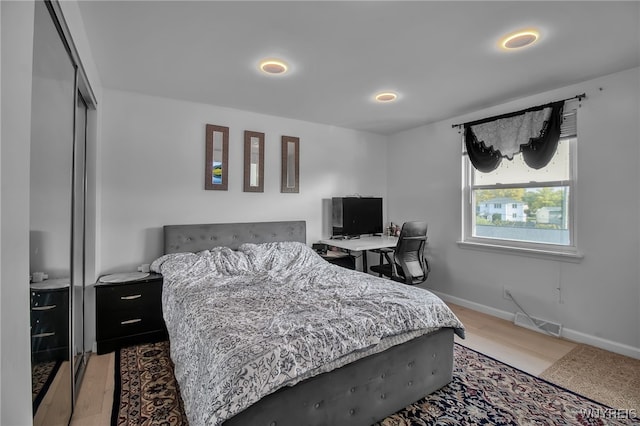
(49, 321)
(129, 313)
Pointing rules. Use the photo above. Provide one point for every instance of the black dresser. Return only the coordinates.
(49, 322)
(129, 313)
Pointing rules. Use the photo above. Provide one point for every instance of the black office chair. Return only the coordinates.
(406, 263)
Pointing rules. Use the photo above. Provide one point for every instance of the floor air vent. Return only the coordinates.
(537, 324)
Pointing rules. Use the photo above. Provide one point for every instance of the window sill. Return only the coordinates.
(572, 256)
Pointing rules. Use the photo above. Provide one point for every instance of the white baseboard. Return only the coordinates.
(567, 333)
(619, 348)
(509, 316)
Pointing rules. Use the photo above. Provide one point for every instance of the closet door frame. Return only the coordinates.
(78, 240)
(83, 90)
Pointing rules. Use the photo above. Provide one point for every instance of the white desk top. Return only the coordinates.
(363, 243)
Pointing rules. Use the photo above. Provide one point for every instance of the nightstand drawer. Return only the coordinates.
(54, 320)
(126, 323)
(130, 296)
(44, 338)
(46, 300)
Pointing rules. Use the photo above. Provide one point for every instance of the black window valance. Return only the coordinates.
(534, 132)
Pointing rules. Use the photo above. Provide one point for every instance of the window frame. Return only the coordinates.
(542, 250)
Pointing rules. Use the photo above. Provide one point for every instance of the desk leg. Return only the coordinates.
(364, 261)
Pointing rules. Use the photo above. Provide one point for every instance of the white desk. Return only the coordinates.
(363, 244)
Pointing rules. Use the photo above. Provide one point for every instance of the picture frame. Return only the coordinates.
(290, 171)
(253, 161)
(216, 169)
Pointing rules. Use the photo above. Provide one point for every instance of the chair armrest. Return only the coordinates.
(383, 250)
(389, 255)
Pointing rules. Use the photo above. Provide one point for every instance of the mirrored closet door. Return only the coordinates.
(52, 135)
(57, 220)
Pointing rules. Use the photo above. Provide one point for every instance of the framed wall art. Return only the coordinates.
(216, 169)
(253, 161)
(290, 174)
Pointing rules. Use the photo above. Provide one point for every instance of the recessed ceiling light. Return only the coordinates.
(386, 97)
(273, 66)
(519, 40)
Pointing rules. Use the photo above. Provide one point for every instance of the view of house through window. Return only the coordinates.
(517, 204)
(537, 215)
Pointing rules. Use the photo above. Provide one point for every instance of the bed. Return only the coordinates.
(263, 331)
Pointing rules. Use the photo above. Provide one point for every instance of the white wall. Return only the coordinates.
(600, 295)
(1, 258)
(15, 371)
(152, 172)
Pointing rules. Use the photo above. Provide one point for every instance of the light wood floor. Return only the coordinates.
(55, 407)
(93, 407)
(519, 347)
(524, 349)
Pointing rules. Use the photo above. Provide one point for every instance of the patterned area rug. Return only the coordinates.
(42, 374)
(494, 393)
(145, 389)
(483, 391)
(613, 379)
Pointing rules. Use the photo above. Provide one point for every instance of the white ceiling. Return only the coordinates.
(441, 57)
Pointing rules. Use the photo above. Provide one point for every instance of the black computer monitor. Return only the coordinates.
(355, 216)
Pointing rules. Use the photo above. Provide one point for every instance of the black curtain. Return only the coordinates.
(484, 158)
(540, 150)
(536, 153)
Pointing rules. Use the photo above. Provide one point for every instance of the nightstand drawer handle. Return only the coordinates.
(43, 308)
(135, 296)
(44, 335)
(132, 321)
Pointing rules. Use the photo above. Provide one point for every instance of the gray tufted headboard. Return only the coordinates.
(194, 238)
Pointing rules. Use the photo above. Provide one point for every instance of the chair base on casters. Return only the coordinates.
(387, 271)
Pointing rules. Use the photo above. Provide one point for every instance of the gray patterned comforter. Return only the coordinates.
(245, 323)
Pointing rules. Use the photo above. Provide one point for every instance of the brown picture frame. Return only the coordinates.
(216, 168)
(290, 170)
(253, 161)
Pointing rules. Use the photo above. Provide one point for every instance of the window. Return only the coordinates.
(538, 213)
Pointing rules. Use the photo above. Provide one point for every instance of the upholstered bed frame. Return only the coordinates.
(359, 393)
(194, 238)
